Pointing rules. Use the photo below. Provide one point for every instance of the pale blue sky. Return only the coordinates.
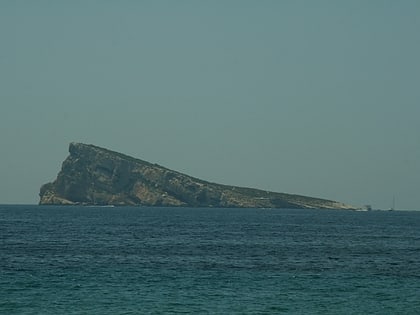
(320, 98)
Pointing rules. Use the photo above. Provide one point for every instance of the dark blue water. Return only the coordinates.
(87, 260)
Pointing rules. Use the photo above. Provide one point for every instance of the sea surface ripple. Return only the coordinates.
(133, 260)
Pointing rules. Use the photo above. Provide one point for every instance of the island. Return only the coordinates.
(92, 175)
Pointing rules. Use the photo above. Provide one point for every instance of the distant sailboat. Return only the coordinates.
(393, 204)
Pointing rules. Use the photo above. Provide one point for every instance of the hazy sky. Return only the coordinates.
(320, 98)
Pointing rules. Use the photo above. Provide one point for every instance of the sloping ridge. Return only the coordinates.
(91, 175)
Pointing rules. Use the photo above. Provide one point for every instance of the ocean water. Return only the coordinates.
(93, 260)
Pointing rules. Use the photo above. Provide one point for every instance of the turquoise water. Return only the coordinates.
(88, 260)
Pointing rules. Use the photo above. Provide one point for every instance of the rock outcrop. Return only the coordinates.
(95, 176)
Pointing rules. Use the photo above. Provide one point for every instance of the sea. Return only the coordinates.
(139, 260)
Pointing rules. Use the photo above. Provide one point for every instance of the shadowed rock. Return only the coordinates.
(96, 176)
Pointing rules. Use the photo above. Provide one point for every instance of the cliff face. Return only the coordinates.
(95, 176)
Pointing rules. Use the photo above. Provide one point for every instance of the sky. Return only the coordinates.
(319, 98)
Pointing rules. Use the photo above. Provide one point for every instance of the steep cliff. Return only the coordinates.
(95, 176)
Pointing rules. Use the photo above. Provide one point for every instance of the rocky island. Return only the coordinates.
(91, 175)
